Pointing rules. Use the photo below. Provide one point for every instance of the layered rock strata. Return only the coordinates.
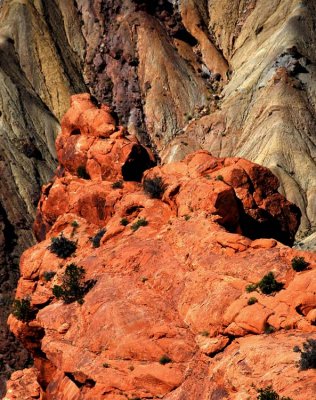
(169, 315)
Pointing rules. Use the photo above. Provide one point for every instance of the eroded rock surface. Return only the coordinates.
(236, 78)
(174, 289)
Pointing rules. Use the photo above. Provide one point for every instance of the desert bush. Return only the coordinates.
(140, 222)
(75, 224)
(22, 310)
(268, 393)
(165, 360)
(299, 264)
(269, 285)
(252, 300)
(117, 185)
(62, 246)
(97, 238)
(251, 287)
(308, 355)
(73, 287)
(268, 329)
(154, 187)
(48, 275)
(124, 221)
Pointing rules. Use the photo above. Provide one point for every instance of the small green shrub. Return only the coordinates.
(62, 246)
(154, 187)
(165, 360)
(269, 285)
(268, 393)
(106, 365)
(287, 327)
(251, 287)
(308, 355)
(205, 333)
(252, 300)
(117, 185)
(140, 222)
(73, 287)
(187, 217)
(22, 310)
(82, 172)
(97, 238)
(74, 224)
(48, 275)
(124, 221)
(219, 178)
(269, 329)
(299, 264)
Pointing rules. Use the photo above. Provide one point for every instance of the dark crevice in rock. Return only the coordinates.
(259, 223)
(137, 162)
(185, 36)
(9, 233)
(299, 310)
(133, 209)
(80, 381)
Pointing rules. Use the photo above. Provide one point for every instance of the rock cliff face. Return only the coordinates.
(168, 315)
(236, 78)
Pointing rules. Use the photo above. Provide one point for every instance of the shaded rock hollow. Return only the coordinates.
(175, 287)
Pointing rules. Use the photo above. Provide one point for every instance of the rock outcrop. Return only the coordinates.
(236, 78)
(41, 50)
(168, 315)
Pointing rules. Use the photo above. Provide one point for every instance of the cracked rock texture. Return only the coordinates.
(233, 77)
(174, 288)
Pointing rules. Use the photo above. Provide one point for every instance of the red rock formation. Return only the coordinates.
(23, 385)
(90, 140)
(175, 287)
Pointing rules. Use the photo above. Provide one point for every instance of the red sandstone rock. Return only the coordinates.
(90, 139)
(247, 190)
(23, 385)
(175, 287)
